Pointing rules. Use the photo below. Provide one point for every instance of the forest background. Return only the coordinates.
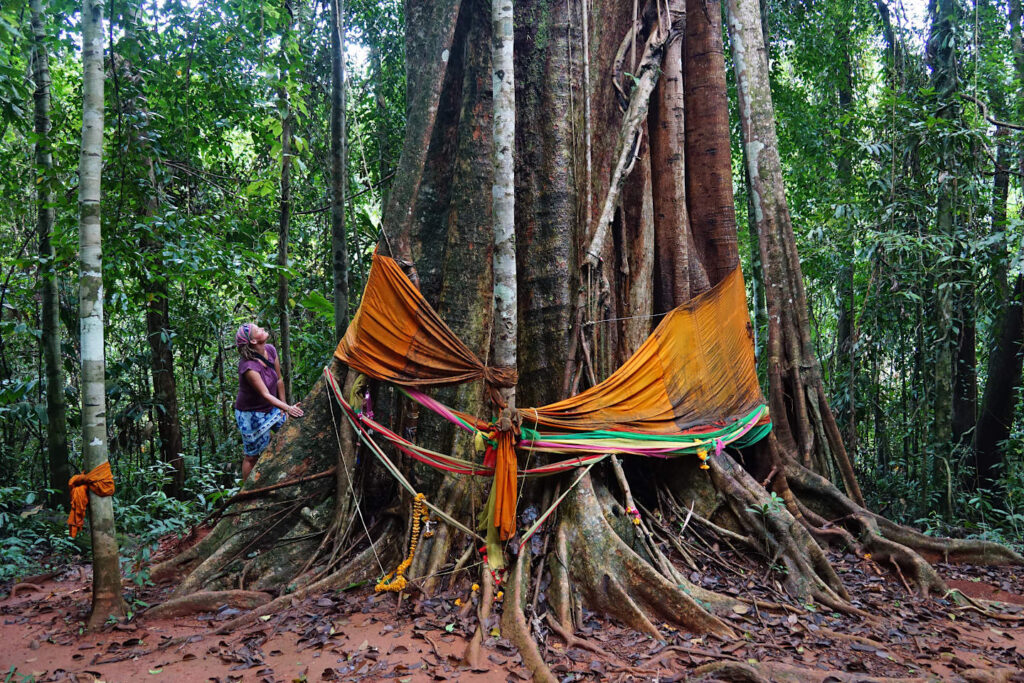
(903, 177)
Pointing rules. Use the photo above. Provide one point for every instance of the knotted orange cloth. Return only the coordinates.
(100, 481)
(695, 371)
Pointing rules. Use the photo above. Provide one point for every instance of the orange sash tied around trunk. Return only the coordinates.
(100, 481)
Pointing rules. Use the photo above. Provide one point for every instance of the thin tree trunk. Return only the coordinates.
(965, 375)
(284, 317)
(339, 172)
(385, 155)
(165, 387)
(503, 191)
(636, 256)
(996, 415)
(1004, 378)
(106, 581)
(506, 312)
(942, 60)
(797, 397)
(846, 360)
(56, 409)
(154, 285)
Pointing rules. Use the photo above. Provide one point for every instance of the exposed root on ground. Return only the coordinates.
(473, 655)
(207, 601)
(612, 577)
(514, 625)
(287, 540)
(363, 567)
(729, 671)
(907, 552)
(808, 572)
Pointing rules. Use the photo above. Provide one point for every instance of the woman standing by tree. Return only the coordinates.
(257, 410)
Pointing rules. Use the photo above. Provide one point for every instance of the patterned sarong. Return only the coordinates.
(255, 427)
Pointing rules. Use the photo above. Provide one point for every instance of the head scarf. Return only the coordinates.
(243, 336)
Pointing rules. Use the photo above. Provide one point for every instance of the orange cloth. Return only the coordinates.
(100, 481)
(505, 483)
(695, 370)
(397, 337)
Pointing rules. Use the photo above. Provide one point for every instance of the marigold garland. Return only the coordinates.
(396, 581)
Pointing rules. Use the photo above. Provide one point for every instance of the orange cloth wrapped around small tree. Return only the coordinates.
(100, 481)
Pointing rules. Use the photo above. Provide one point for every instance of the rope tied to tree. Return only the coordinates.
(100, 481)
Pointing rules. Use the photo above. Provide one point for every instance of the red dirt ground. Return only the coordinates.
(359, 636)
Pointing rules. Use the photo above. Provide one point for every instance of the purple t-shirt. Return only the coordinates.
(248, 398)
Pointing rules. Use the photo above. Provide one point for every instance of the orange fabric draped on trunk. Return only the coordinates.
(397, 337)
(505, 485)
(695, 370)
(100, 481)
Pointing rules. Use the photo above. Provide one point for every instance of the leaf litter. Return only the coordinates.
(359, 636)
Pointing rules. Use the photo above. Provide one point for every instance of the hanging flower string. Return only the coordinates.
(396, 581)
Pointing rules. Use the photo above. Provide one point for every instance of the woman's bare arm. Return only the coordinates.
(257, 383)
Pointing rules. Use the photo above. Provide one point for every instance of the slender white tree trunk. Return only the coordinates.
(503, 190)
(106, 581)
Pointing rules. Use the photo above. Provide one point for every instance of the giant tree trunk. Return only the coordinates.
(56, 408)
(589, 553)
(106, 578)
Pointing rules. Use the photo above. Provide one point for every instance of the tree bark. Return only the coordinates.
(285, 208)
(106, 582)
(846, 365)
(800, 412)
(506, 310)
(153, 276)
(675, 260)
(339, 170)
(1005, 361)
(942, 60)
(158, 334)
(56, 408)
(284, 223)
(708, 152)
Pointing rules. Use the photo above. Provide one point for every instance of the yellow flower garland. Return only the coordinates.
(396, 581)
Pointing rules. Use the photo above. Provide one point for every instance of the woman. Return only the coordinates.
(258, 411)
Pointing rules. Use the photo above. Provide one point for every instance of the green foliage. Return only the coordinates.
(874, 134)
(877, 135)
(33, 536)
(192, 93)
